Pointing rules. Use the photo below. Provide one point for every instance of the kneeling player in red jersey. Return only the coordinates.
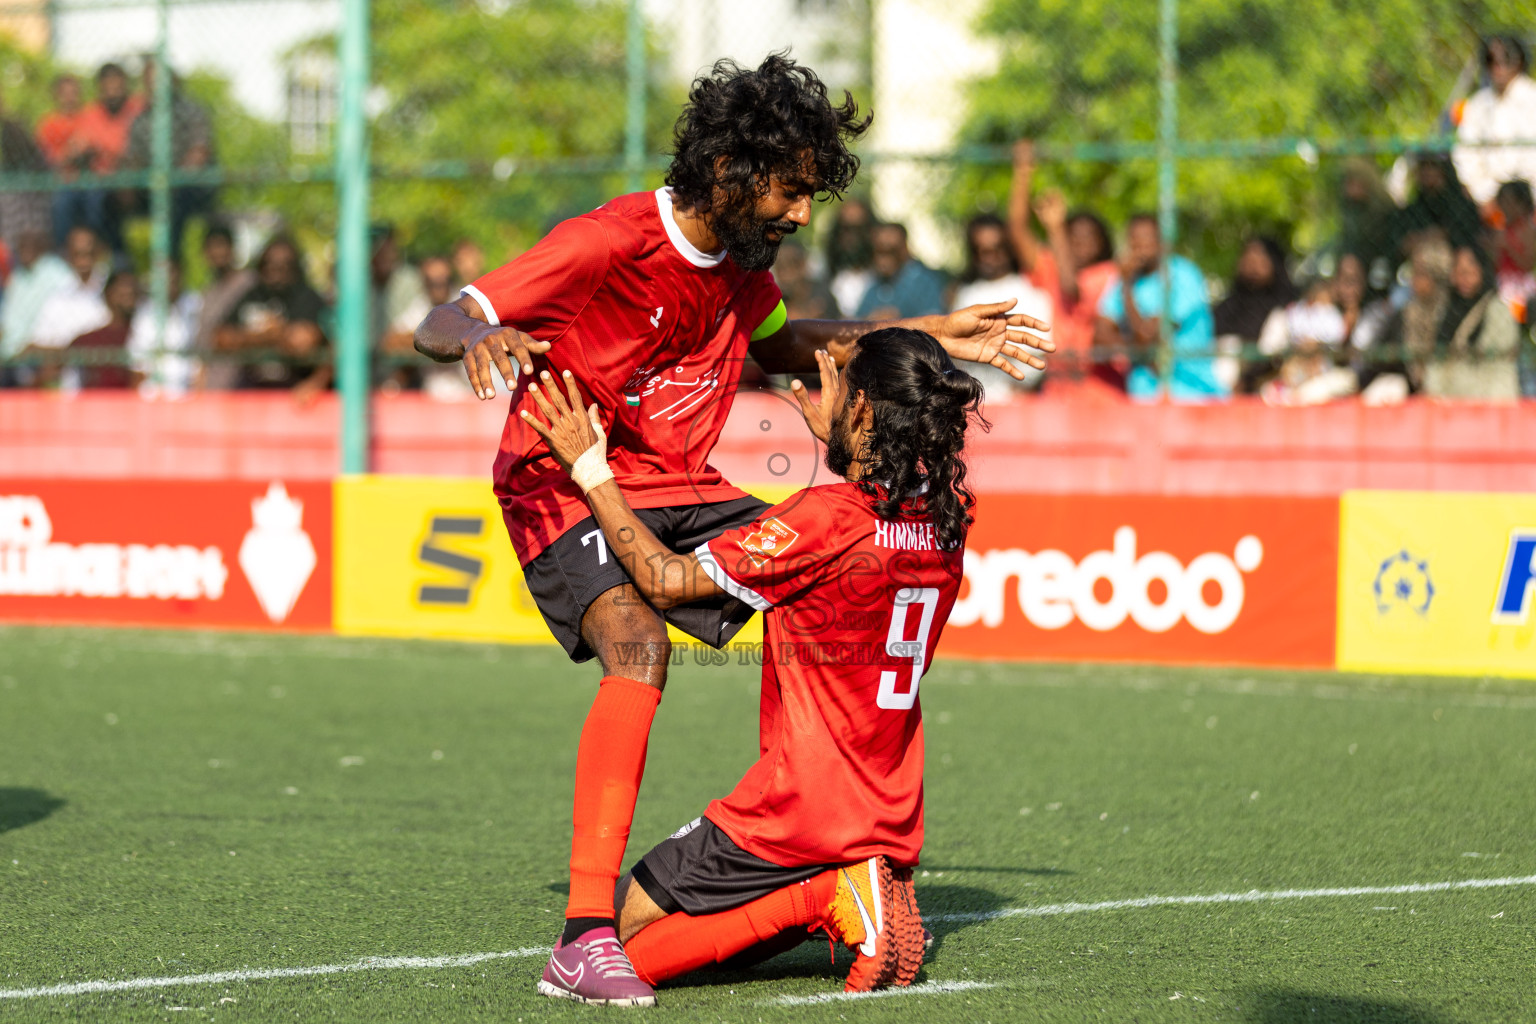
(857, 579)
(652, 302)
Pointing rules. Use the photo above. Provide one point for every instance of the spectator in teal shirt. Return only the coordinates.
(1128, 319)
(902, 287)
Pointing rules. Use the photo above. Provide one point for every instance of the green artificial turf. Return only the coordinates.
(176, 804)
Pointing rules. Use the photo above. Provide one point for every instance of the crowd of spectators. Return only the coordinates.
(81, 319)
(1429, 295)
(112, 134)
(74, 313)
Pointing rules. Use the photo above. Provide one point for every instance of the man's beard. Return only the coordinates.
(839, 457)
(746, 238)
(114, 103)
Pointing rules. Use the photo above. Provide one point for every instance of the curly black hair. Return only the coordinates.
(921, 405)
(764, 121)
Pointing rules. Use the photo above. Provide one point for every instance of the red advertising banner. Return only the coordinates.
(1223, 580)
(166, 553)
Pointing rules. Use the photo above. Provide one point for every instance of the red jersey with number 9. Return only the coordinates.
(653, 330)
(855, 606)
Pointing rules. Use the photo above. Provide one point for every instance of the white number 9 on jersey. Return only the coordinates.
(898, 646)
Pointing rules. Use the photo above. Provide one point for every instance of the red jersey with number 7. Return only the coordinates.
(653, 330)
(855, 606)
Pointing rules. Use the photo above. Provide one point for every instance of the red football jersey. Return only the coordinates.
(855, 606)
(654, 332)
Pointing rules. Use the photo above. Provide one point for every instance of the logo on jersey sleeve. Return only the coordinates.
(769, 540)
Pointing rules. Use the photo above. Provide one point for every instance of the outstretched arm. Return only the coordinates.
(459, 331)
(575, 437)
(1052, 211)
(980, 334)
(1024, 245)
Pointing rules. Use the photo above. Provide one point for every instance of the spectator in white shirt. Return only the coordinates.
(849, 254)
(438, 286)
(164, 370)
(38, 274)
(77, 307)
(1310, 336)
(1503, 111)
(992, 275)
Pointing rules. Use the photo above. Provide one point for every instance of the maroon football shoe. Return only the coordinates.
(595, 969)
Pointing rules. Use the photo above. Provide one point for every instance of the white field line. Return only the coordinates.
(384, 963)
(927, 988)
(372, 963)
(1357, 688)
(1252, 896)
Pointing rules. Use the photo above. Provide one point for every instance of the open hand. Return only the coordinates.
(570, 433)
(819, 417)
(501, 349)
(1051, 208)
(989, 334)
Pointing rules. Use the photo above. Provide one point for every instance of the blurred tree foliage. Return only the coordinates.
(491, 120)
(471, 104)
(241, 140)
(25, 81)
(497, 88)
(1086, 71)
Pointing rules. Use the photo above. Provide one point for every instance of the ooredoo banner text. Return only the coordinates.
(1218, 580)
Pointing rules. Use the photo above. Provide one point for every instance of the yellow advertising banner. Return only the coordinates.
(1440, 583)
(429, 557)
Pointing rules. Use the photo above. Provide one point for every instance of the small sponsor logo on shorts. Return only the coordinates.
(695, 823)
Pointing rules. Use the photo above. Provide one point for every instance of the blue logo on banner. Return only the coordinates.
(1512, 603)
(1403, 582)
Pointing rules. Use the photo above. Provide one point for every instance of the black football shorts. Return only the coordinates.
(699, 870)
(566, 577)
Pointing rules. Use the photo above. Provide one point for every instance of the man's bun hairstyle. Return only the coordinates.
(764, 120)
(921, 406)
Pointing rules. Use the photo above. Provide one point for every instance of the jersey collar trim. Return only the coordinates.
(916, 492)
(690, 252)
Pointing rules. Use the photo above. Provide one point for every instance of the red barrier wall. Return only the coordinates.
(1035, 446)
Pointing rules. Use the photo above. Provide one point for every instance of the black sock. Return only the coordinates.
(576, 927)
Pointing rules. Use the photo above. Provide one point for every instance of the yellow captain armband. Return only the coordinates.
(778, 318)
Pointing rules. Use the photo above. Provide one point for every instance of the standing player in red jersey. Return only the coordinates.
(857, 582)
(652, 302)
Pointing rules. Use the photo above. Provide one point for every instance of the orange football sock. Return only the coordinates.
(610, 761)
(679, 943)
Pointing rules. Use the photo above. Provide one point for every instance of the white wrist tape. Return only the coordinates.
(591, 467)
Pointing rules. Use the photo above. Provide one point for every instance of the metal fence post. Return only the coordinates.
(1167, 174)
(161, 158)
(634, 122)
(352, 306)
